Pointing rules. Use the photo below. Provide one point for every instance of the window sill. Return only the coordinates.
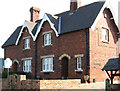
(79, 70)
(47, 45)
(105, 41)
(28, 72)
(27, 49)
(47, 71)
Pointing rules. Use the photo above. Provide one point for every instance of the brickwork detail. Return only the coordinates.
(19, 83)
(101, 51)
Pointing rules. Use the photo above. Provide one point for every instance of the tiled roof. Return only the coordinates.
(34, 30)
(81, 18)
(112, 65)
(30, 24)
(54, 20)
(12, 39)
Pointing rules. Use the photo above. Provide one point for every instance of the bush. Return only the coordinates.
(28, 75)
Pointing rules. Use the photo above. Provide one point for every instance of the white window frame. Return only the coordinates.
(27, 65)
(105, 34)
(47, 39)
(47, 64)
(79, 65)
(27, 43)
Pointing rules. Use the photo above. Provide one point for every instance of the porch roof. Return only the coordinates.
(112, 65)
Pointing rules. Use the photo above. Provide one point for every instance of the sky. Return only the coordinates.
(13, 13)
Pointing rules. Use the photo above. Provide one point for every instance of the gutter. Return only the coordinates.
(59, 26)
(86, 55)
(35, 56)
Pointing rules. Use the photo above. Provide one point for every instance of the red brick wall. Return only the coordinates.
(100, 52)
(70, 43)
(18, 83)
(18, 52)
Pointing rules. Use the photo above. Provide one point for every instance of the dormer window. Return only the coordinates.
(27, 43)
(47, 39)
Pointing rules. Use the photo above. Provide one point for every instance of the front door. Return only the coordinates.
(64, 63)
(15, 64)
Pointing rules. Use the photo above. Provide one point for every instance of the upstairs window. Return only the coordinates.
(79, 63)
(47, 39)
(105, 35)
(27, 43)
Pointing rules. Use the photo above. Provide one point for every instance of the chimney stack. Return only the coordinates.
(34, 14)
(74, 4)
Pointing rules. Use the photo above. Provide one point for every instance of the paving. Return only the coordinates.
(0, 84)
(98, 86)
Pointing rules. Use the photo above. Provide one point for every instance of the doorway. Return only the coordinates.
(64, 63)
(15, 66)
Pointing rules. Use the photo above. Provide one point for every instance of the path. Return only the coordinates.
(0, 84)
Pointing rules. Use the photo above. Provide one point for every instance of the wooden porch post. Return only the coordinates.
(112, 77)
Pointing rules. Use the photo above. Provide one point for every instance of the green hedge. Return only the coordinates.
(28, 75)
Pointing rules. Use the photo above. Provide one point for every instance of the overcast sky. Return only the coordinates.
(14, 12)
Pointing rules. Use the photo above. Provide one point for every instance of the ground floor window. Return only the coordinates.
(27, 66)
(47, 64)
(79, 63)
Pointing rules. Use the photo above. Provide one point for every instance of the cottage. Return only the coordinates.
(69, 45)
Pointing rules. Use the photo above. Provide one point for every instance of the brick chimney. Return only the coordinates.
(74, 4)
(34, 14)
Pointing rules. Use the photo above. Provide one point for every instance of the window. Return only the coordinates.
(79, 63)
(47, 64)
(27, 43)
(105, 35)
(27, 66)
(47, 39)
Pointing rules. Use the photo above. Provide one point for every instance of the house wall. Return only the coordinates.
(71, 44)
(18, 52)
(100, 51)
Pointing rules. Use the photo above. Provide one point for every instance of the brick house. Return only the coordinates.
(69, 45)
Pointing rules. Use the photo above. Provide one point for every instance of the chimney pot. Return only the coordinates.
(34, 14)
(74, 4)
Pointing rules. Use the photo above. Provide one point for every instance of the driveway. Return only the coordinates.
(97, 85)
